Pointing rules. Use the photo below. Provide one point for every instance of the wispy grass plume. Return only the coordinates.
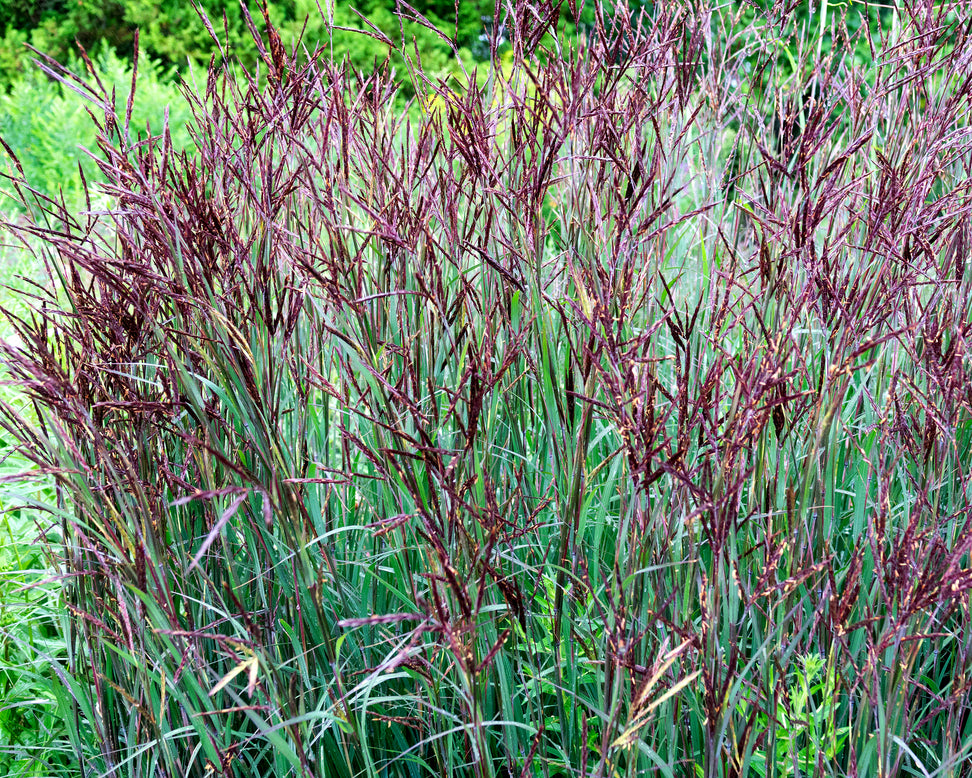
(605, 414)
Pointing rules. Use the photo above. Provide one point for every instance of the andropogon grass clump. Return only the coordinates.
(604, 413)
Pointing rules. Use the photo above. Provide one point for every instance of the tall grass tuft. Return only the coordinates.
(606, 413)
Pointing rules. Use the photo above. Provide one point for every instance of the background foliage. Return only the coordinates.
(172, 33)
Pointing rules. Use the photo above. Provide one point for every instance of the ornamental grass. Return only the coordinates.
(605, 412)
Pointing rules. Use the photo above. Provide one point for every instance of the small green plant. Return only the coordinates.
(807, 737)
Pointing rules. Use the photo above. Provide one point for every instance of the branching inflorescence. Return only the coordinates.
(604, 414)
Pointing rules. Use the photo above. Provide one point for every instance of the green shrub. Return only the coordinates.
(33, 719)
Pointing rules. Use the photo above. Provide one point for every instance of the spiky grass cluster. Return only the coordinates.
(606, 415)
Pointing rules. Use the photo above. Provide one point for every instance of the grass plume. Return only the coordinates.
(604, 414)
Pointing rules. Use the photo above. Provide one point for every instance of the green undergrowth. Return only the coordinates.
(33, 626)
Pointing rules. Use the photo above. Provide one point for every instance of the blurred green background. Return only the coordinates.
(172, 32)
(47, 127)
